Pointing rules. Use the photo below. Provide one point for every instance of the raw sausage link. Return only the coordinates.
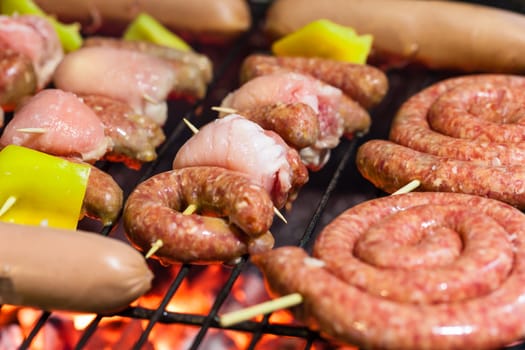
(104, 198)
(153, 211)
(484, 112)
(363, 83)
(296, 123)
(18, 78)
(392, 273)
(356, 120)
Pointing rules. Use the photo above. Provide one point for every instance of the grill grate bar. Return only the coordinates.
(219, 300)
(88, 332)
(349, 151)
(183, 272)
(34, 331)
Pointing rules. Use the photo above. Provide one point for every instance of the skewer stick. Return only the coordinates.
(11, 200)
(287, 300)
(409, 187)
(32, 130)
(279, 215)
(192, 127)
(150, 99)
(154, 247)
(190, 209)
(224, 110)
(195, 130)
(260, 309)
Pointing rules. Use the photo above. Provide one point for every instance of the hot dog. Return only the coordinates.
(403, 30)
(393, 273)
(55, 269)
(205, 20)
(154, 211)
(479, 150)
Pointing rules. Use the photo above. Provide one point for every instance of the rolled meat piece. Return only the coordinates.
(411, 271)
(35, 38)
(365, 84)
(56, 269)
(141, 80)
(154, 210)
(463, 134)
(176, 56)
(335, 114)
(236, 143)
(59, 124)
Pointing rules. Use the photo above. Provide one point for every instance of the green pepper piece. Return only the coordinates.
(146, 28)
(40, 189)
(324, 38)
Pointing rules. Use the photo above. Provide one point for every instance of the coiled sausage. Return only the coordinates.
(462, 134)
(153, 211)
(413, 271)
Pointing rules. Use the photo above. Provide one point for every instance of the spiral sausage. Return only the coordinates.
(464, 134)
(413, 271)
(153, 211)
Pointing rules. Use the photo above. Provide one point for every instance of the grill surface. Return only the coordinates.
(336, 187)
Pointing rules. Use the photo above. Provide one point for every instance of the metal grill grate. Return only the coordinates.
(336, 187)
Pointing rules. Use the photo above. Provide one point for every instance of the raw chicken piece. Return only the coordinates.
(141, 80)
(236, 143)
(34, 37)
(290, 87)
(70, 127)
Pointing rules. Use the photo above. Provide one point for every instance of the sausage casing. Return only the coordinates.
(365, 84)
(463, 134)
(55, 269)
(380, 280)
(18, 79)
(154, 211)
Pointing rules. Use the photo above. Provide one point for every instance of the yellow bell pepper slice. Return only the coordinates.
(146, 28)
(324, 38)
(39, 189)
(69, 34)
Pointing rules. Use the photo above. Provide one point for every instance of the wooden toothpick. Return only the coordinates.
(154, 247)
(409, 187)
(234, 317)
(192, 127)
(224, 110)
(32, 130)
(10, 201)
(190, 209)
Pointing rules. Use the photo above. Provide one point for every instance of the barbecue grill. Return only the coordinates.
(336, 187)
